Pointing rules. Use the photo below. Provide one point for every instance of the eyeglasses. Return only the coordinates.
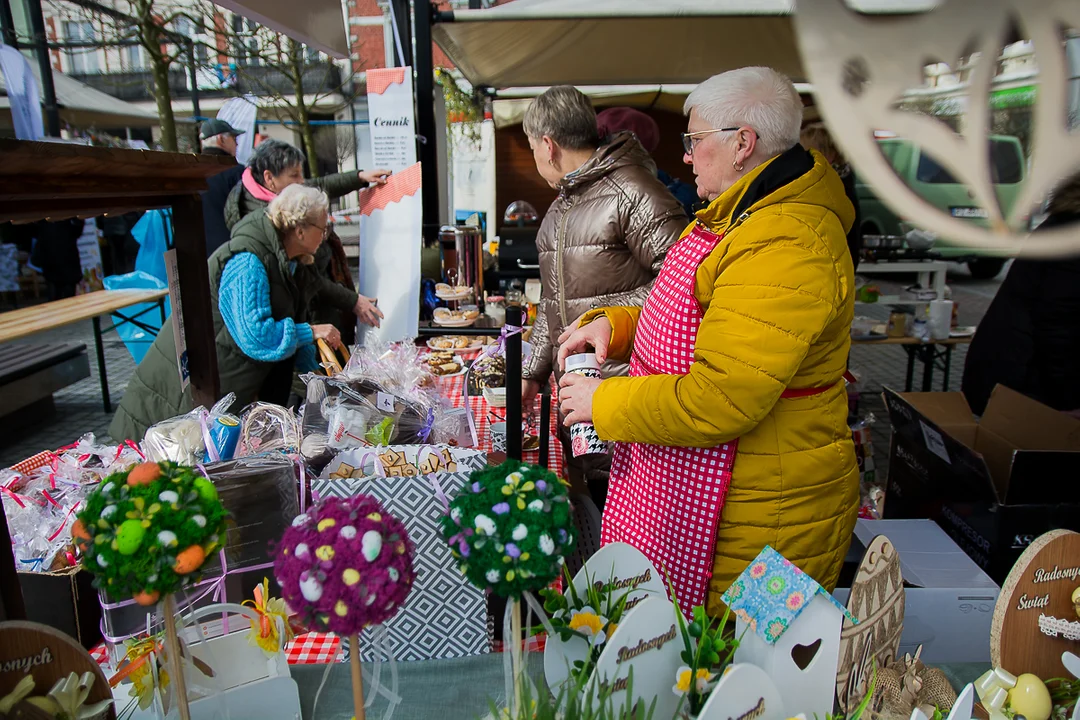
(688, 138)
(326, 230)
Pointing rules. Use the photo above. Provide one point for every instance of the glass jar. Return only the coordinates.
(495, 308)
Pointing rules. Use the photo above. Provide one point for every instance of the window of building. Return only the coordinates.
(131, 58)
(81, 60)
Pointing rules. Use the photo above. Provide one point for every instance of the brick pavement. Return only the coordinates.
(79, 410)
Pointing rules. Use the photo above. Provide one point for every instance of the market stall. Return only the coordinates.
(52, 181)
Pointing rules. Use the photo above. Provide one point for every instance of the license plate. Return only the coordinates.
(969, 212)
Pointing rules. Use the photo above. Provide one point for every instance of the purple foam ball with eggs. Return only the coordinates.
(345, 564)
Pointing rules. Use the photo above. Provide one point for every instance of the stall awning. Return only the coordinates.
(83, 106)
(318, 23)
(621, 42)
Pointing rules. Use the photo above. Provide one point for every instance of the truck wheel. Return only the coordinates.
(985, 268)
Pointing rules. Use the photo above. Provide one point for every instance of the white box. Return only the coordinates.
(949, 600)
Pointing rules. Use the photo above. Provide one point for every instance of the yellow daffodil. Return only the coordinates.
(683, 679)
(590, 624)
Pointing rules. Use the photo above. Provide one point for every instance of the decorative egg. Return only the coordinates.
(146, 597)
(129, 536)
(301, 520)
(189, 560)
(167, 538)
(107, 511)
(143, 474)
(348, 532)
(302, 551)
(79, 533)
(199, 520)
(326, 523)
(205, 488)
(350, 577)
(1030, 698)
(310, 588)
(371, 545)
(324, 553)
(341, 609)
(394, 574)
(169, 496)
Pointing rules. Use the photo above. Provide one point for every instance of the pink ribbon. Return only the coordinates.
(63, 524)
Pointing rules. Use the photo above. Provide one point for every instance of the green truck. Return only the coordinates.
(938, 187)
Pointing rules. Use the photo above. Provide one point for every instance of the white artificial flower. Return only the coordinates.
(484, 525)
(701, 683)
(492, 576)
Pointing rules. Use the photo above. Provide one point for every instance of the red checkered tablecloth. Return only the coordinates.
(484, 415)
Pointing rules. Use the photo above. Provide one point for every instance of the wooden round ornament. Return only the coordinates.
(877, 602)
(1035, 620)
(48, 655)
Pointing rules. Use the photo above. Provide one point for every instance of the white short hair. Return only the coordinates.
(758, 97)
(298, 205)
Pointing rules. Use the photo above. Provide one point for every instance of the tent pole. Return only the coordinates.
(195, 111)
(41, 50)
(425, 117)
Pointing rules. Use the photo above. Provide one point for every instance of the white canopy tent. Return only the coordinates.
(621, 42)
(317, 23)
(83, 106)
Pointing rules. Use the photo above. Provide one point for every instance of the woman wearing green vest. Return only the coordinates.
(274, 166)
(261, 286)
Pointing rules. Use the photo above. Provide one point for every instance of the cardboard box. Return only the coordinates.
(948, 600)
(994, 484)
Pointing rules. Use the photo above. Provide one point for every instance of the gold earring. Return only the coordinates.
(551, 162)
(737, 165)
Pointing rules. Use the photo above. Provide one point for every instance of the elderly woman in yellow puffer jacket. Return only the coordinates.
(731, 431)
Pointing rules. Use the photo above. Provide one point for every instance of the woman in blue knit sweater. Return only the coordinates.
(261, 286)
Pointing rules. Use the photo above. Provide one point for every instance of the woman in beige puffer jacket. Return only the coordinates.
(601, 243)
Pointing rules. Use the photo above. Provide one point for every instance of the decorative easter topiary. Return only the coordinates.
(146, 532)
(511, 529)
(345, 564)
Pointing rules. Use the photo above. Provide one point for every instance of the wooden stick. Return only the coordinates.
(515, 657)
(357, 677)
(176, 663)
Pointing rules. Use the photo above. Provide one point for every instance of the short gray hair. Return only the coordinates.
(564, 114)
(298, 205)
(275, 156)
(758, 97)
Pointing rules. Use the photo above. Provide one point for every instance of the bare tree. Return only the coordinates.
(337, 142)
(119, 23)
(295, 78)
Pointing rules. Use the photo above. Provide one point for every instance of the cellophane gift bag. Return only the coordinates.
(445, 616)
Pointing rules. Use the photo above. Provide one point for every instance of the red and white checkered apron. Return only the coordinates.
(666, 501)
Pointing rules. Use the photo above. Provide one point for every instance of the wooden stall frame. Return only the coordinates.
(56, 181)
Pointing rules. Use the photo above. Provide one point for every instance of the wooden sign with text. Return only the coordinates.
(629, 572)
(744, 692)
(647, 641)
(28, 648)
(1035, 620)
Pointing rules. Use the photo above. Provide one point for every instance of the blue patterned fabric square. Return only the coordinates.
(771, 593)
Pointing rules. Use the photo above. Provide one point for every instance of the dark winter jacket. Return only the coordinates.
(1029, 339)
(213, 202)
(154, 394)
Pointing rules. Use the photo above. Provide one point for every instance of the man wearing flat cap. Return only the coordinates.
(218, 138)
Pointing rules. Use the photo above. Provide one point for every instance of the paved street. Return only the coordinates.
(79, 409)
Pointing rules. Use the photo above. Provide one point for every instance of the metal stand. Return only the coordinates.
(99, 343)
(929, 355)
(513, 384)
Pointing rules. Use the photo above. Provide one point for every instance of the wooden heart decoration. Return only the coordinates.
(877, 602)
(1034, 619)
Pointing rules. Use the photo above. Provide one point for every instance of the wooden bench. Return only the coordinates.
(29, 373)
(936, 353)
(24, 322)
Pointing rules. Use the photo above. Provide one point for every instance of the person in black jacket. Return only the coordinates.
(56, 254)
(816, 137)
(218, 138)
(1029, 339)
